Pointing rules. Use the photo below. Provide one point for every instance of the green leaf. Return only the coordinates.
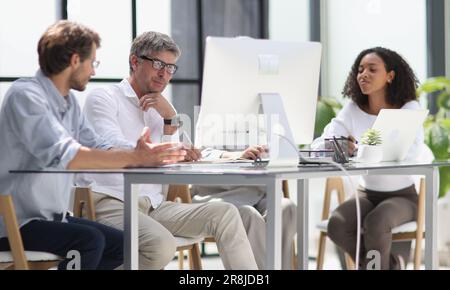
(441, 114)
(444, 181)
(445, 123)
(332, 102)
(324, 115)
(433, 85)
(443, 100)
(371, 137)
(436, 137)
(429, 121)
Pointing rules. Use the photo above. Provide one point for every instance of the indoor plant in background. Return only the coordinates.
(437, 126)
(327, 108)
(370, 150)
(437, 131)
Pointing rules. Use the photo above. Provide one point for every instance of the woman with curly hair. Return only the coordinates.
(379, 79)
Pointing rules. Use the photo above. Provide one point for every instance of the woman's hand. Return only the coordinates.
(351, 141)
(192, 154)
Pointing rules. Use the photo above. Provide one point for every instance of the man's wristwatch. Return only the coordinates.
(175, 121)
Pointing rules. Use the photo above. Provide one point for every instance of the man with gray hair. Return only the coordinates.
(118, 113)
(43, 128)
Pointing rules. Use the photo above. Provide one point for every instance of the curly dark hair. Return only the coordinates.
(400, 91)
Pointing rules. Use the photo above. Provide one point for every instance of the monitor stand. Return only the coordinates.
(282, 149)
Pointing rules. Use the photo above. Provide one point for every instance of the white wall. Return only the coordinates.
(20, 30)
(289, 20)
(112, 20)
(153, 15)
(3, 89)
(354, 25)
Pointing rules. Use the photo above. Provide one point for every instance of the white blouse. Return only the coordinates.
(351, 120)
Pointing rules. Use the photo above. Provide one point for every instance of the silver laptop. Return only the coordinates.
(399, 128)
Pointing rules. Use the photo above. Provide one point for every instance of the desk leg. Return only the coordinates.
(273, 226)
(302, 223)
(131, 245)
(431, 181)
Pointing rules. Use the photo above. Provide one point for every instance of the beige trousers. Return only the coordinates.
(157, 228)
(254, 219)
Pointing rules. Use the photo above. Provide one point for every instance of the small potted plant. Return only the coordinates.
(370, 150)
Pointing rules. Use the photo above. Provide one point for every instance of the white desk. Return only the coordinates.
(271, 178)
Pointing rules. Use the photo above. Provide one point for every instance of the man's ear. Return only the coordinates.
(134, 61)
(75, 60)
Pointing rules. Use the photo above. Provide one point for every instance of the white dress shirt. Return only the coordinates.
(115, 114)
(351, 120)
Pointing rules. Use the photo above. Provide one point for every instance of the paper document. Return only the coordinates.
(220, 161)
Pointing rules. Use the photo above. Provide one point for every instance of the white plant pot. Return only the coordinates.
(370, 153)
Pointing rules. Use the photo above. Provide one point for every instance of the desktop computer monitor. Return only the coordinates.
(237, 71)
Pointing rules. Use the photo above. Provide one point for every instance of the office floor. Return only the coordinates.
(213, 262)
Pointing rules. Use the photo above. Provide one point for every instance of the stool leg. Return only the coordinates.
(180, 260)
(321, 252)
(418, 253)
(349, 262)
(195, 261)
(294, 257)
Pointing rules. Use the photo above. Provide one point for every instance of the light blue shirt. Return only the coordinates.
(40, 129)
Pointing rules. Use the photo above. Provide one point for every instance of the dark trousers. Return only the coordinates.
(380, 213)
(99, 246)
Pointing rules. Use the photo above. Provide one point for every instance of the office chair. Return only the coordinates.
(83, 201)
(413, 230)
(181, 193)
(17, 258)
(285, 190)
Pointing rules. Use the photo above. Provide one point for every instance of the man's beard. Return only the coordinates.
(77, 83)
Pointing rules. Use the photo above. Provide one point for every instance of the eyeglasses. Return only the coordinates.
(158, 64)
(95, 63)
